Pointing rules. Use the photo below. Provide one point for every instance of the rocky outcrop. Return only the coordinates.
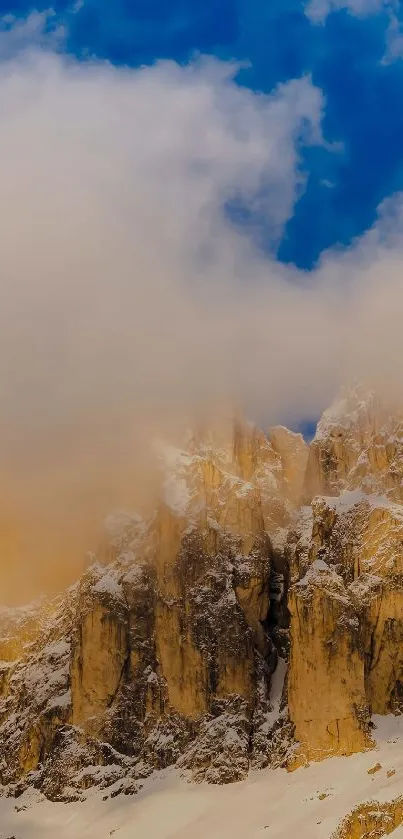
(19, 627)
(235, 628)
(326, 687)
(293, 453)
(358, 445)
(164, 651)
(346, 594)
(372, 819)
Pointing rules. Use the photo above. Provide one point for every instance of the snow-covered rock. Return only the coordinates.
(255, 620)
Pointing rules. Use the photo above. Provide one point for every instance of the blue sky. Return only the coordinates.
(352, 54)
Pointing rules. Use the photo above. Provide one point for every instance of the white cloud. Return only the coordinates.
(394, 40)
(318, 10)
(115, 240)
(127, 296)
(124, 287)
(39, 29)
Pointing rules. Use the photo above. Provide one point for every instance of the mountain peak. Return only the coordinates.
(233, 628)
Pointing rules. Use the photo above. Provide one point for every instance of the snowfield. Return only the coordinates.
(270, 804)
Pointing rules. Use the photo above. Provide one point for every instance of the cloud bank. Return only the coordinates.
(123, 277)
(131, 300)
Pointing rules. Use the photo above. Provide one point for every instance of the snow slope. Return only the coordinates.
(270, 804)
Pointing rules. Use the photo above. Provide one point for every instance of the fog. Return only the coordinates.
(133, 304)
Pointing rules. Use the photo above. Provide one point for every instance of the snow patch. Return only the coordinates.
(348, 499)
(176, 495)
(316, 568)
(269, 803)
(108, 584)
(175, 463)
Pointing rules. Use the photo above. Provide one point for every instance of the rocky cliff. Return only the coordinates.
(256, 619)
(346, 570)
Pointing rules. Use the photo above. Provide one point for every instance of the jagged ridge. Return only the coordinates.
(174, 647)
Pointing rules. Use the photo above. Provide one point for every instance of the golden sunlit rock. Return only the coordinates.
(236, 626)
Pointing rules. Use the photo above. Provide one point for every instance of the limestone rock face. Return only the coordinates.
(255, 620)
(99, 655)
(358, 445)
(346, 570)
(293, 453)
(326, 690)
(164, 651)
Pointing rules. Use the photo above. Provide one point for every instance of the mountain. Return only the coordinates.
(255, 620)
